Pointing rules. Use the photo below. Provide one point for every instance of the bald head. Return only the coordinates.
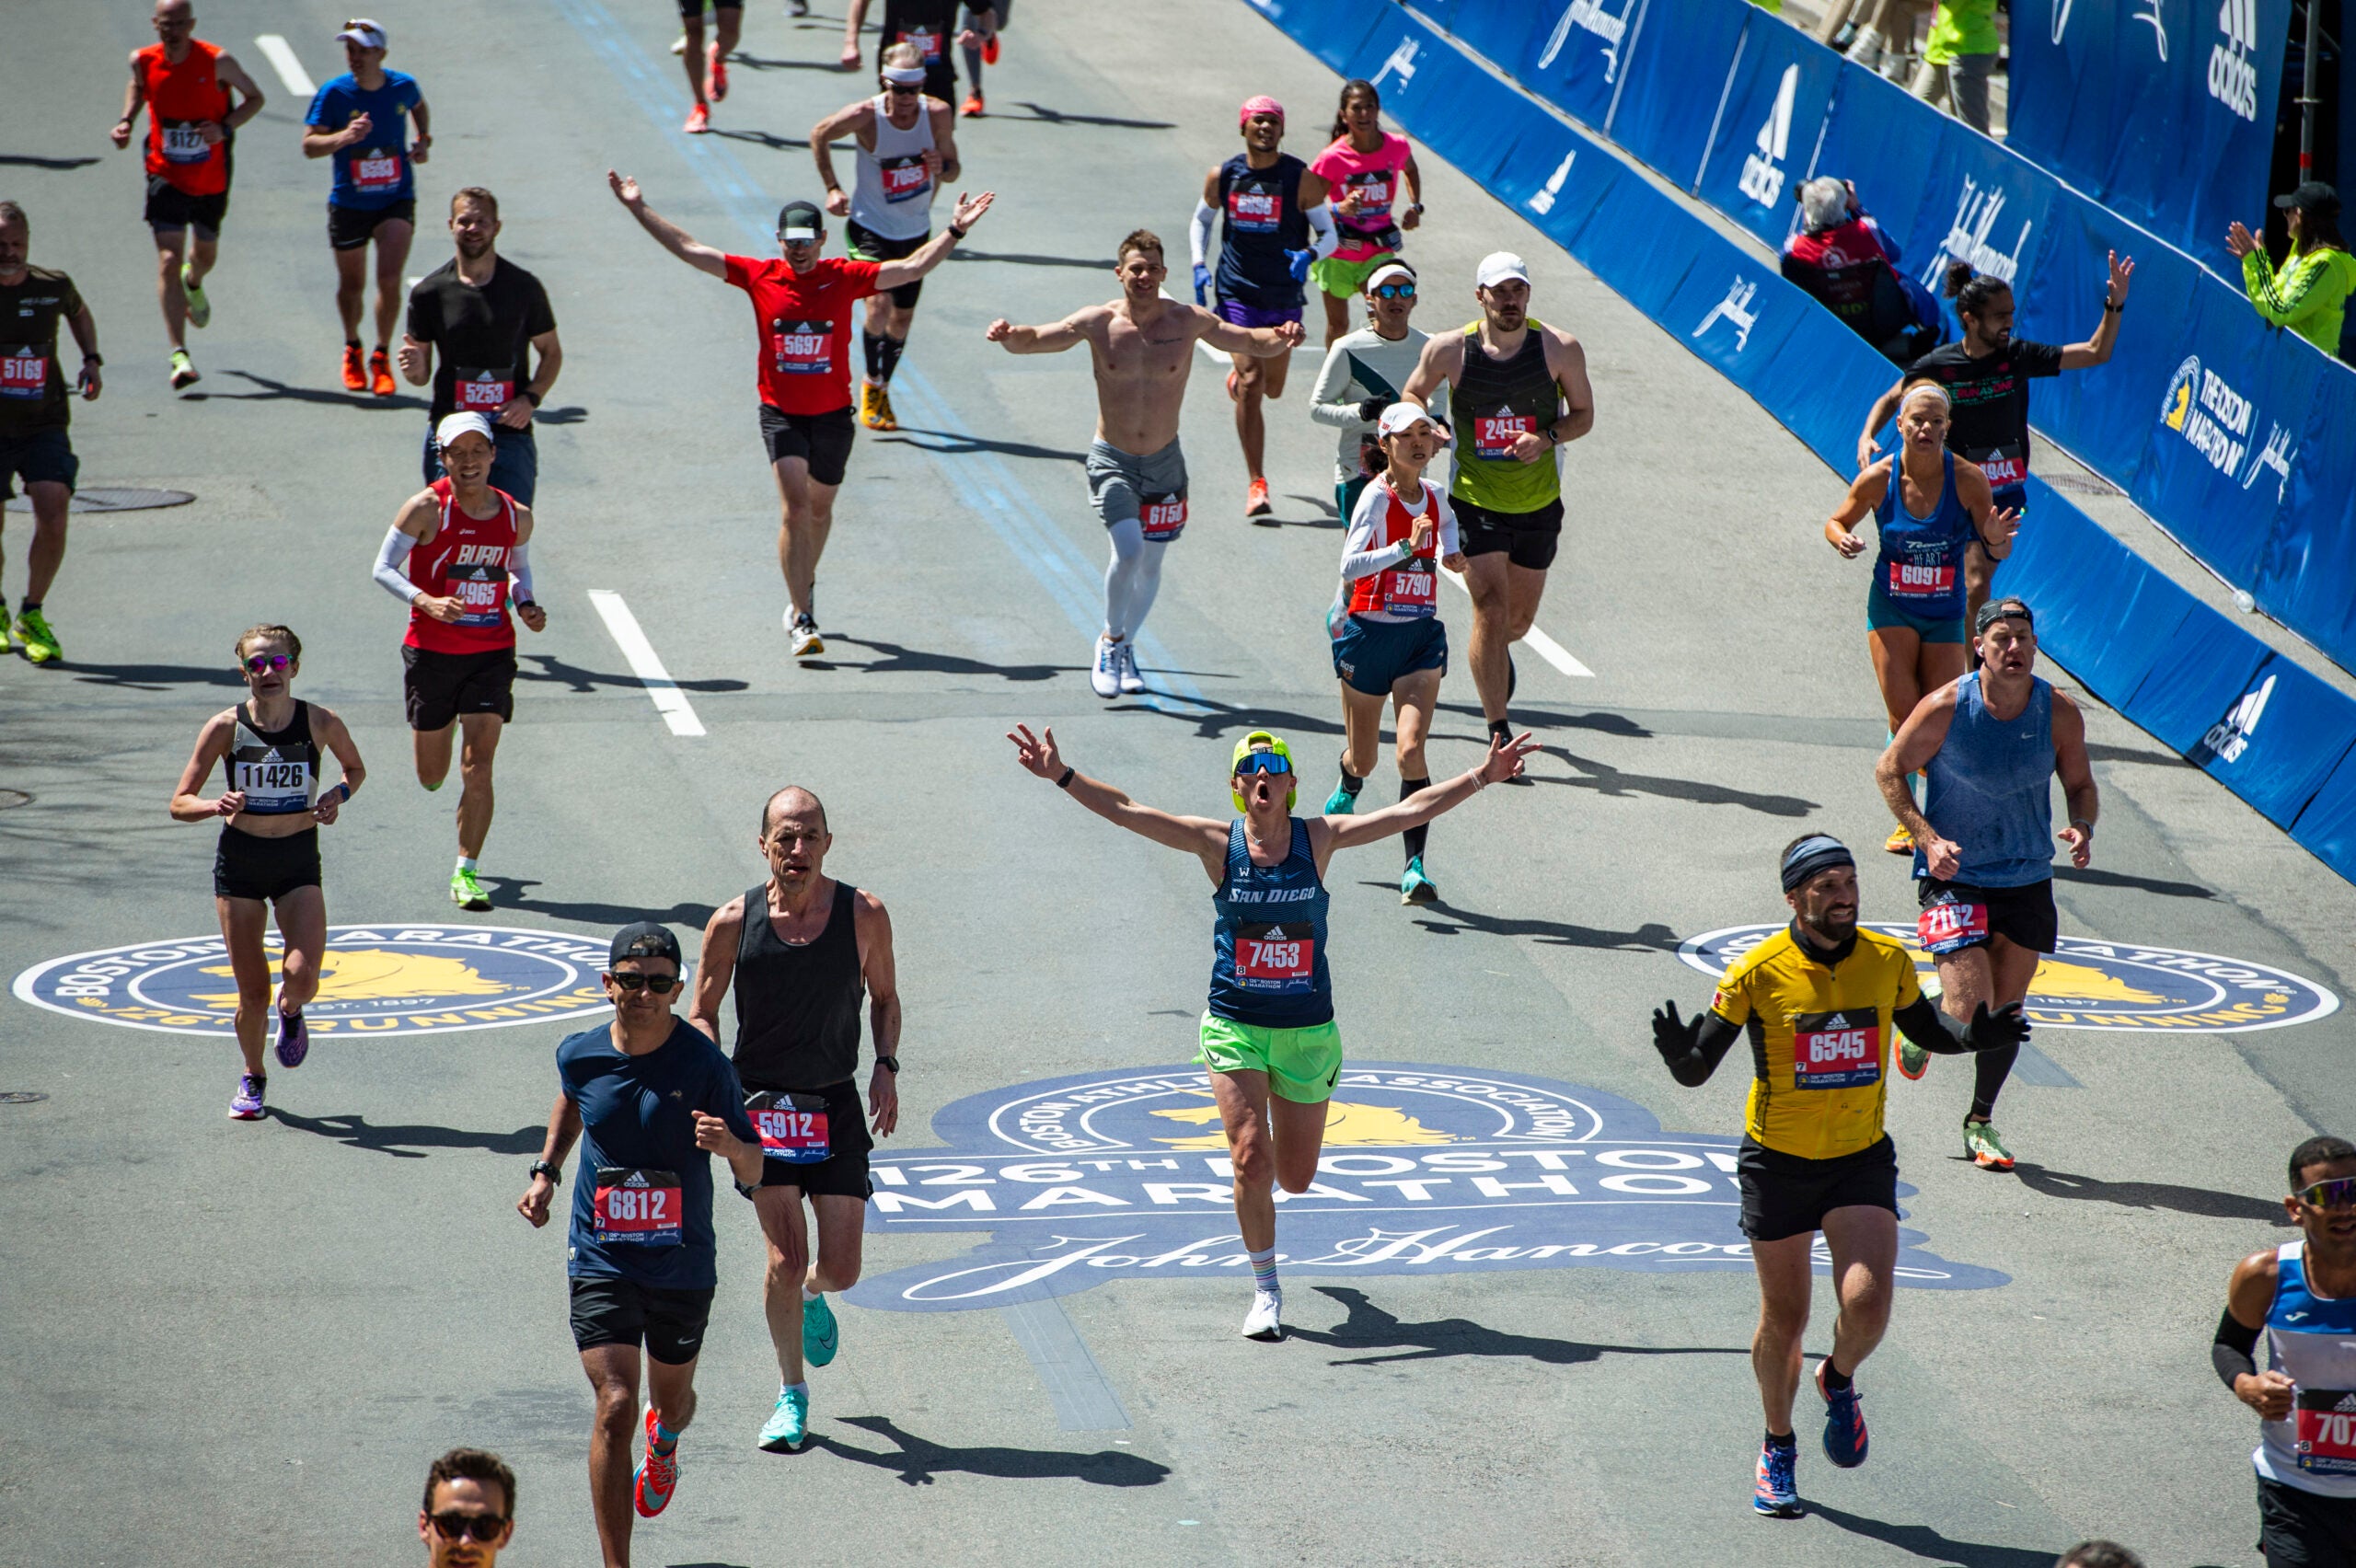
(175, 10)
(793, 800)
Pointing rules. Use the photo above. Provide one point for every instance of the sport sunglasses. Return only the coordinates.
(454, 1526)
(661, 985)
(262, 663)
(2339, 1193)
(1262, 762)
(1394, 291)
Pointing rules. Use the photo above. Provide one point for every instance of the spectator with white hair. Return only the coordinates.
(1841, 257)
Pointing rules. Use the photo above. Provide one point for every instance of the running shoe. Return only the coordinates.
(1777, 1493)
(698, 121)
(875, 407)
(1986, 1150)
(1341, 803)
(199, 310)
(972, 107)
(294, 1040)
(807, 643)
(789, 1423)
(989, 50)
(1912, 1060)
(1255, 500)
(658, 1474)
(380, 375)
(719, 73)
(183, 371)
(680, 44)
(1844, 1423)
(355, 370)
(1417, 888)
(466, 893)
(1132, 681)
(245, 1105)
(1899, 842)
(821, 1336)
(1233, 394)
(1105, 678)
(38, 641)
(1260, 1323)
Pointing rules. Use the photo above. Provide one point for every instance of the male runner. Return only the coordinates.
(650, 1100)
(927, 24)
(1987, 373)
(798, 951)
(1268, 1037)
(2302, 1294)
(361, 120)
(186, 84)
(483, 314)
(34, 412)
(468, 1514)
(977, 32)
(1988, 746)
(728, 21)
(907, 145)
(1143, 346)
(458, 556)
(1275, 224)
(1363, 374)
(1819, 1000)
(802, 306)
(1520, 392)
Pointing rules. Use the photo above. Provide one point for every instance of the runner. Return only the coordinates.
(1371, 162)
(1387, 641)
(451, 556)
(801, 307)
(1363, 374)
(35, 411)
(2302, 1294)
(488, 319)
(1988, 746)
(1987, 373)
(977, 31)
(797, 970)
(1275, 224)
(1819, 1000)
(1268, 1038)
(728, 21)
(1520, 388)
(1143, 346)
(192, 120)
(926, 24)
(649, 1100)
(268, 748)
(361, 120)
(1914, 607)
(907, 145)
(468, 1514)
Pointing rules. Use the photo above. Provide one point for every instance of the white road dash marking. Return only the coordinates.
(669, 700)
(1545, 647)
(281, 55)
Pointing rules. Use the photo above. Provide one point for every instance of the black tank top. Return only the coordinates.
(797, 1007)
(278, 769)
(1262, 221)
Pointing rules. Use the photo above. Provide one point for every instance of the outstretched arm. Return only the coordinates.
(2096, 350)
(965, 216)
(1199, 837)
(1259, 342)
(1052, 338)
(668, 234)
(1923, 1023)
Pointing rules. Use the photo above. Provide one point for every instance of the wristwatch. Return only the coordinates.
(889, 1063)
(542, 1168)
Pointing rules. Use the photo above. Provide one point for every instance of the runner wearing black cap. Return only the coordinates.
(650, 1100)
(1987, 746)
(801, 305)
(2308, 293)
(1819, 1001)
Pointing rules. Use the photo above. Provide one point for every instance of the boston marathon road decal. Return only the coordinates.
(1124, 1175)
(2116, 987)
(375, 980)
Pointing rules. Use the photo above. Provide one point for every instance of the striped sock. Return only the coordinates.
(1264, 1270)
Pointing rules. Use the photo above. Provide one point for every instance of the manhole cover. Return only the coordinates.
(14, 798)
(104, 498)
(2081, 484)
(21, 1097)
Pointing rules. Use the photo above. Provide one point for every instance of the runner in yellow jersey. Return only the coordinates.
(1818, 1002)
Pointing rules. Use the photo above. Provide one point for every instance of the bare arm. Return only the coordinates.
(716, 966)
(1199, 837)
(1328, 834)
(854, 18)
(1438, 365)
(2250, 1297)
(424, 140)
(564, 1130)
(1866, 492)
(1054, 338)
(320, 144)
(549, 363)
(846, 122)
(1568, 361)
(1995, 528)
(965, 216)
(945, 138)
(132, 97)
(231, 74)
(1259, 342)
(880, 971)
(1878, 416)
(1414, 178)
(2077, 773)
(2096, 348)
(212, 745)
(668, 234)
(85, 327)
(337, 736)
(1917, 740)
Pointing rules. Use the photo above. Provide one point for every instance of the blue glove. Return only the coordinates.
(1202, 284)
(1298, 261)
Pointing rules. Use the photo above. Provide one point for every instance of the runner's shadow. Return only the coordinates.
(898, 660)
(1223, 717)
(508, 893)
(2095, 877)
(1321, 518)
(408, 1142)
(1538, 718)
(1047, 116)
(755, 63)
(282, 391)
(2200, 1201)
(586, 682)
(1608, 780)
(1649, 937)
(154, 677)
(1011, 259)
(564, 416)
(1924, 1542)
(1370, 1326)
(920, 1462)
(766, 139)
(25, 160)
(954, 445)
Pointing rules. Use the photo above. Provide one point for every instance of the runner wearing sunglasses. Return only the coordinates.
(1365, 373)
(1268, 1036)
(2302, 1294)
(268, 748)
(650, 1100)
(468, 1514)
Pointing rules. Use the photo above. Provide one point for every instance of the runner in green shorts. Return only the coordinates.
(1268, 1037)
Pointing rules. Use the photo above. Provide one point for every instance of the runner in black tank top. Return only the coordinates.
(798, 954)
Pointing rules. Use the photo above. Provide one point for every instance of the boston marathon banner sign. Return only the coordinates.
(1123, 1175)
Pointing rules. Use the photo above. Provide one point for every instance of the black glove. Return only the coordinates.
(1676, 1037)
(1371, 409)
(1995, 1030)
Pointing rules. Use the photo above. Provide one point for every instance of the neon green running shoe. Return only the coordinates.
(199, 310)
(38, 641)
(1986, 1150)
(466, 893)
(184, 374)
(1912, 1060)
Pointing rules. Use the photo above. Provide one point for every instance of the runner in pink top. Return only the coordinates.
(1380, 169)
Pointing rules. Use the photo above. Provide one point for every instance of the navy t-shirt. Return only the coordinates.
(377, 172)
(638, 1120)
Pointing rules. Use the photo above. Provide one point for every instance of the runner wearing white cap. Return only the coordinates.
(1363, 374)
(1520, 390)
(360, 120)
(458, 556)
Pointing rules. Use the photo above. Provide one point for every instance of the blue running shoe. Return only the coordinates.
(1844, 1423)
(1417, 888)
(1777, 1494)
(821, 1337)
(1341, 803)
(789, 1423)
(294, 1040)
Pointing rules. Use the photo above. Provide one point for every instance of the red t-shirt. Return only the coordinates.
(804, 321)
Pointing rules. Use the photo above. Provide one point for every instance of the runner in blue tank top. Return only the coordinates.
(1927, 508)
(2302, 1294)
(1989, 745)
(1268, 1037)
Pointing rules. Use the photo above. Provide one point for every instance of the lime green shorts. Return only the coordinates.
(1347, 279)
(1301, 1064)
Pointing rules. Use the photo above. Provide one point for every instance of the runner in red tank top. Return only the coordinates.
(186, 84)
(465, 549)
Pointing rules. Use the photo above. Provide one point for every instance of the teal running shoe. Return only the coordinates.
(789, 1423)
(821, 1336)
(1417, 888)
(1341, 803)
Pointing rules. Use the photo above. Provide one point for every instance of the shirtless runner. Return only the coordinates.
(1143, 344)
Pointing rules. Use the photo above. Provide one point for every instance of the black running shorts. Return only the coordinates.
(1528, 538)
(441, 686)
(823, 441)
(1784, 1194)
(247, 865)
(670, 1323)
(843, 1173)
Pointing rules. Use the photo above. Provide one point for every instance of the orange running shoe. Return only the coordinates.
(355, 372)
(1256, 502)
(719, 73)
(698, 121)
(989, 50)
(380, 375)
(972, 107)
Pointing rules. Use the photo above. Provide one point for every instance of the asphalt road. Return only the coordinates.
(226, 1340)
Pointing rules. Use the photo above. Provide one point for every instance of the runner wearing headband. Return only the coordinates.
(1268, 1038)
(1818, 1002)
(1378, 169)
(1929, 508)
(1365, 371)
(928, 25)
(1387, 641)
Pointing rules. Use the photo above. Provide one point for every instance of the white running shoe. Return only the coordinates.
(680, 44)
(1260, 1323)
(805, 633)
(1105, 678)
(1132, 683)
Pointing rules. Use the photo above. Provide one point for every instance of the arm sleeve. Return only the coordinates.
(1326, 404)
(1449, 544)
(388, 574)
(1360, 557)
(1717, 1036)
(2280, 304)
(2231, 1352)
(1926, 1026)
(1324, 238)
(1198, 233)
(519, 570)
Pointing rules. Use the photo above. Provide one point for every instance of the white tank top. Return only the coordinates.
(893, 195)
(2312, 1340)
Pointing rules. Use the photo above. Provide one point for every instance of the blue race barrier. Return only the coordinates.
(2100, 609)
(1762, 140)
(2276, 740)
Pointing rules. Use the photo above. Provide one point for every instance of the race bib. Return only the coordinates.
(1275, 958)
(2006, 467)
(927, 43)
(906, 177)
(1951, 927)
(273, 786)
(184, 143)
(480, 589)
(376, 173)
(1836, 1050)
(1910, 579)
(2327, 1430)
(23, 374)
(793, 1126)
(803, 348)
(1163, 517)
(484, 392)
(1411, 590)
(1254, 212)
(1373, 187)
(638, 1207)
(1494, 434)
